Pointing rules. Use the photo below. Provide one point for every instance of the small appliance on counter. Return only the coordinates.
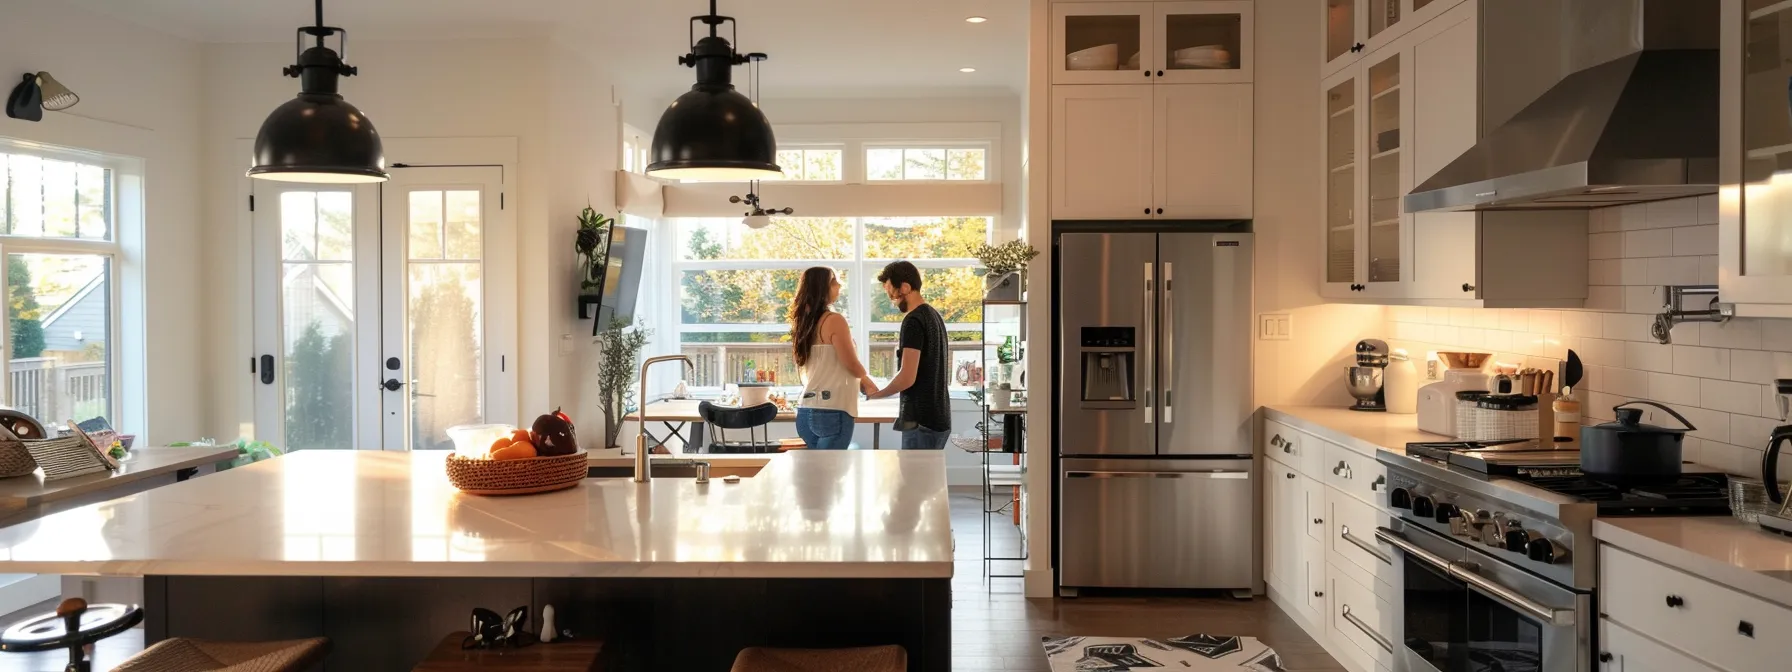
(1366, 380)
(1437, 401)
(1778, 518)
(1402, 388)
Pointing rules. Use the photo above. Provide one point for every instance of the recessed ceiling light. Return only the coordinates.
(967, 69)
(974, 19)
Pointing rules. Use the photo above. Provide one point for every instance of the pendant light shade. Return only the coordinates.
(318, 137)
(713, 132)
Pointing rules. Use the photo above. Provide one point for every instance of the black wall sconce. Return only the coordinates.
(39, 92)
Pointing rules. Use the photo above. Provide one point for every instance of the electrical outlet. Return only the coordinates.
(566, 344)
(1275, 326)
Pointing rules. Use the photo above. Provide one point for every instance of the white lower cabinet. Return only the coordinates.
(1724, 628)
(1623, 650)
(1358, 623)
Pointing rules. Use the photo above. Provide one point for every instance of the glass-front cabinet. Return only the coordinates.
(1203, 42)
(1755, 202)
(1367, 230)
(1386, 179)
(1356, 28)
(1340, 187)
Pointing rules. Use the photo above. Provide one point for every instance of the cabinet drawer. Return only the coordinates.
(1350, 528)
(1358, 622)
(1711, 622)
(1356, 474)
(1281, 443)
(1623, 650)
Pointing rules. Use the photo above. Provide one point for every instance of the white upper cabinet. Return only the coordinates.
(1356, 28)
(1101, 152)
(1202, 166)
(1755, 159)
(1147, 42)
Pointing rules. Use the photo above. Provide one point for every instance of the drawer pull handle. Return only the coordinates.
(1746, 629)
(1605, 656)
(1344, 532)
(1675, 601)
(1380, 482)
(1360, 625)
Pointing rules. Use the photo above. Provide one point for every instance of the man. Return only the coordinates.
(925, 418)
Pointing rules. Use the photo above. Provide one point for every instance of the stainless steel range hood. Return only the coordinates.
(1638, 127)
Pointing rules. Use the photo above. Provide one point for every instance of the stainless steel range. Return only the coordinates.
(1496, 554)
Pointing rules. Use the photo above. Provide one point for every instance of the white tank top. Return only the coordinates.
(826, 384)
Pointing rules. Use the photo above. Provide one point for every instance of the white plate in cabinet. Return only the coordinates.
(1180, 26)
(1084, 30)
(1359, 622)
(1358, 475)
(1623, 650)
(1202, 151)
(1102, 152)
(1729, 629)
(1350, 525)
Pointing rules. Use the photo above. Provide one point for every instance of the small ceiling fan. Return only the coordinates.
(758, 217)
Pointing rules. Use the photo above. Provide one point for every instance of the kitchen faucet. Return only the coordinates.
(643, 467)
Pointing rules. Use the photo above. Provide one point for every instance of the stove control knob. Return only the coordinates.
(1423, 507)
(1446, 511)
(1459, 526)
(1546, 551)
(1494, 533)
(1400, 498)
(1518, 540)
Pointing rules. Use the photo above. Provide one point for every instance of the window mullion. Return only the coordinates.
(861, 299)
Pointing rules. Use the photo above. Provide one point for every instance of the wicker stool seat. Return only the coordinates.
(864, 659)
(199, 655)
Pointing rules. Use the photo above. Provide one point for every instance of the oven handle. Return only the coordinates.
(1359, 543)
(1360, 625)
(1550, 615)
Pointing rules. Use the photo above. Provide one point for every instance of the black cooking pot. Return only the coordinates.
(1628, 450)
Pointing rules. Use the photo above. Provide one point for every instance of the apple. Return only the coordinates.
(554, 435)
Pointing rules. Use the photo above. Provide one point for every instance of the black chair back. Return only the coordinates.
(756, 420)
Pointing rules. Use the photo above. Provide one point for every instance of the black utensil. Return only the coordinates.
(1572, 372)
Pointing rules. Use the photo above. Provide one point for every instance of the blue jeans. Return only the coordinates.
(824, 428)
(922, 438)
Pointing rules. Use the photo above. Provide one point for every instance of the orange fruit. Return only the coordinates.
(502, 443)
(515, 451)
(521, 436)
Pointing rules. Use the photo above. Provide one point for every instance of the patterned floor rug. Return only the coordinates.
(1201, 653)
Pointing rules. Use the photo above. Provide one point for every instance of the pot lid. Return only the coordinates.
(1630, 420)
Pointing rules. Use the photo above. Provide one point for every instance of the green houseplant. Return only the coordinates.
(617, 368)
(1003, 267)
(593, 246)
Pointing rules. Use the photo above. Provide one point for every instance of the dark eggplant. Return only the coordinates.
(1628, 450)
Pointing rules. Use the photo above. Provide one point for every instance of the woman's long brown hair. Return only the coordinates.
(806, 311)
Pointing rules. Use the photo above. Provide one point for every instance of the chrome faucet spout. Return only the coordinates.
(643, 466)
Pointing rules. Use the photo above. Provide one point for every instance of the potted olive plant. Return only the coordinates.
(617, 369)
(1003, 267)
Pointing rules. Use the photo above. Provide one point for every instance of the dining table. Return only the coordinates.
(679, 414)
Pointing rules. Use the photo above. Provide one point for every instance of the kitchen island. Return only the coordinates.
(378, 552)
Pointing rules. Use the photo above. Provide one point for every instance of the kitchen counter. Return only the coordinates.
(26, 497)
(1366, 433)
(1719, 549)
(809, 514)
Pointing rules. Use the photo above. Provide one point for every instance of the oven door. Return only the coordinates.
(1465, 610)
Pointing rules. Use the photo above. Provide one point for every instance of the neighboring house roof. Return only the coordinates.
(83, 312)
(342, 308)
(99, 280)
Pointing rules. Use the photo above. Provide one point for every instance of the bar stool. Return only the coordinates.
(756, 420)
(74, 626)
(863, 659)
(198, 655)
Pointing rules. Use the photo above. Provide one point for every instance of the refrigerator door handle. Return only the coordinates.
(1227, 474)
(1148, 374)
(1169, 341)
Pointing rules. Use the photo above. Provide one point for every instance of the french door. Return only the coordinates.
(384, 314)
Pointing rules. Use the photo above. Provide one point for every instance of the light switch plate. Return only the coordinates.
(1275, 326)
(566, 344)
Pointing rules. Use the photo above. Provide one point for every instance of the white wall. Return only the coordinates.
(547, 95)
(141, 97)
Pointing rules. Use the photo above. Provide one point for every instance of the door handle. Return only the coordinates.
(1225, 474)
(1344, 533)
(1150, 333)
(1169, 338)
(391, 385)
(1460, 570)
(1360, 625)
(267, 369)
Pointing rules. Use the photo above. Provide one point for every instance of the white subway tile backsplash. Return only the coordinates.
(1471, 337)
(1669, 214)
(1625, 327)
(1605, 246)
(1603, 272)
(1515, 320)
(1600, 351)
(1580, 323)
(1706, 211)
(1648, 243)
(1707, 270)
(1731, 397)
(1546, 321)
(1674, 390)
(1697, 361)
(1626, 383)
(1674, 271)
(1650, 357)
(1437, 315)
(1646, 299)
(1602, 220)
(1776, 335)
(1712, 425)
(1598, 408)
(1406, 313)
(1528, 344)
(1462, 317)
(1498, 341)
(1632, 217)
(1633, 272)
(1412, 331)
(1487, 318)
(1592, 378)
(1749, 430)
(1695, 240)
(1730, 458)
(1744, 334)
(1443, 333)
(1610, 299)
(1759, 366)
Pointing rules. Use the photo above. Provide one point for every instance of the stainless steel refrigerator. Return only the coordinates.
(1153, 430)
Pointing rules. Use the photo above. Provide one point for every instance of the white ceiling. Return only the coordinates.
(818, 48)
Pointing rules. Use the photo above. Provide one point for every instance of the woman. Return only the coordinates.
(832, 375)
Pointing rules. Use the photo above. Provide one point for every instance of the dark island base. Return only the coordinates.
(647, 623)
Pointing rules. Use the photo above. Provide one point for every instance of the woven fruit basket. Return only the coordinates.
(516, 477)
(15, 460)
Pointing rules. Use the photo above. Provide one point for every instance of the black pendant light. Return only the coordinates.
(712, 132)
(318, 136)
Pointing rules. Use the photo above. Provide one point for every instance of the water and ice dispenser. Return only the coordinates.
(1109, 375)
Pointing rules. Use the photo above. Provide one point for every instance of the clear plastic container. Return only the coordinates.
(476, 441)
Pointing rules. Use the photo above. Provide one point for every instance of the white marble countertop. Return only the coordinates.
(1716, 548)
(813, 514)
(1363, 432)
(32, 490)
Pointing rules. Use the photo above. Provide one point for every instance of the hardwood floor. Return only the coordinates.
(995, 628)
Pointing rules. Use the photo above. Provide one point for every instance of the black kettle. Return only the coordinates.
(1628, 450)
(1770, 462)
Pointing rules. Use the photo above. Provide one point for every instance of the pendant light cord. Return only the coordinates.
(320, 22)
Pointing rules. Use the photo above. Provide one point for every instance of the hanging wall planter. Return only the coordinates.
(1005, 266)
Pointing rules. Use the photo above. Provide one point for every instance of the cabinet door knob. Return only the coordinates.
(1318, 521)
(1318, 593)
(1147, 73)
(1468, 287)
(1289, 475)
(1147, 211)
(1160, 73)
(1160, 211)
(1676, 601)
(1605, 657)
(1356, 48)
(1746, 629)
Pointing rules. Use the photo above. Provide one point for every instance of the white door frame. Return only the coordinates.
(499, 285)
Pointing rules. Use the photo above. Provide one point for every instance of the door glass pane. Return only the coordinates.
(1340, 191)
(1202, 41)
(1340, 27)
(59, 310)
(1436, 625)
(1382, 15)
(1501, 638)
(1102, 42)
(1767, 141)
(317, 319)
(1384, 171)
(444, 308)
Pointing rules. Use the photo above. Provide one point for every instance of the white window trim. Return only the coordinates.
(126, 392)
(989, 155)
(805, 147)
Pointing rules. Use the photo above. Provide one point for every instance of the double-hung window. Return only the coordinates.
(59, 240)
(736, 285)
